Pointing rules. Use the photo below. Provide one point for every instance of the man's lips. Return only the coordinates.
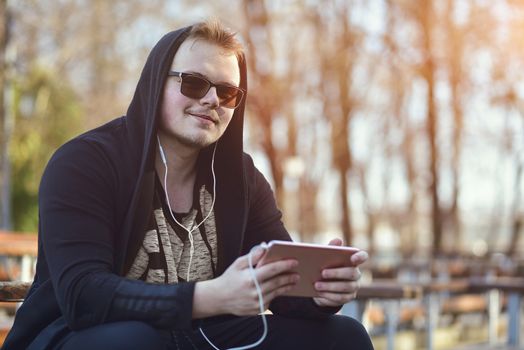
(204, 116)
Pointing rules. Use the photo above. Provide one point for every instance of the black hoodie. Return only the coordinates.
(95, 198)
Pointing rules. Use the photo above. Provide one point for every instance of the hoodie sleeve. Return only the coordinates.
(79, 233)
(265, 224)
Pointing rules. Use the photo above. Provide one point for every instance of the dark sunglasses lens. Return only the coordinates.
(229, 96)
(194, 87)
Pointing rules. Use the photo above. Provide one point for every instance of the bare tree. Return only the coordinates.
(517, 216)
(401, 77)
(336, 94)
(265, 99)
(428, 73)
(458, 83)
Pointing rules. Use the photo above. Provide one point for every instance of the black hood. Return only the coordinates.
(141, 125)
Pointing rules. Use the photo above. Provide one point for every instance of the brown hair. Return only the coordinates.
(213, 31)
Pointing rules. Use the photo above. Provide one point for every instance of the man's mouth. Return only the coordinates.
(204, 116)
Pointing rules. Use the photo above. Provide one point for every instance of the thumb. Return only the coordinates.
(335, 241)
(256, 254)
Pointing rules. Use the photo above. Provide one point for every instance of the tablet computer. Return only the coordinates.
(312, 259)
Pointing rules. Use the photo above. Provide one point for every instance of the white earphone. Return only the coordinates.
(162, 154)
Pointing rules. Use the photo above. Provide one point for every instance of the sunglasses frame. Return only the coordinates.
(237, 98)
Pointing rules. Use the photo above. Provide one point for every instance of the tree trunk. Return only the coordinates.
(455, 53)
(516, 227)
(264, 99)
(342, 160)
(344, 205)
(431, 126)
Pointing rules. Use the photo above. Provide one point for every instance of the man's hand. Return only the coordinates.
(344, 289)
(234, 292)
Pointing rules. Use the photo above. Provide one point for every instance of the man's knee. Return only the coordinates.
(340, 322)
(129, 335)
(139, 335)
(334, 332)
(346, 328)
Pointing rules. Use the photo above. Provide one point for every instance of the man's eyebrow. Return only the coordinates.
(206, 77)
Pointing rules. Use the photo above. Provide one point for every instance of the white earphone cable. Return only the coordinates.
(189, 231)
(261, 308)
(192, 249)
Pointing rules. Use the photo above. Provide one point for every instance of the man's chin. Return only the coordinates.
(198, 142)
(195, 140)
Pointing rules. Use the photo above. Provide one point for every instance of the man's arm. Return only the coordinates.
(80, 238)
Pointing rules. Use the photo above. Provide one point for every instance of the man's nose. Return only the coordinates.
(211, 98)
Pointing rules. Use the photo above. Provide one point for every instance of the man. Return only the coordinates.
(147, 223)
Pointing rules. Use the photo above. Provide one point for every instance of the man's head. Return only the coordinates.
(202, 90)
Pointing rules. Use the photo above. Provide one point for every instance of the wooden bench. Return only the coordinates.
(390, 292)
(24, 248)
(514, 288)
(13, 291)
(11, 294)
(459, 296)
(18, 252)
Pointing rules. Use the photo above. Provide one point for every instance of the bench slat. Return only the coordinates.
(18, 244)
(13, 290)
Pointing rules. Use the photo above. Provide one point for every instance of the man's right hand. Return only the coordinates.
(234, 292)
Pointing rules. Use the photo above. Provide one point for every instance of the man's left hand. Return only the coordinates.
(340, 285)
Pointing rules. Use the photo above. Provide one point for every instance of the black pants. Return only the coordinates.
(335, 332)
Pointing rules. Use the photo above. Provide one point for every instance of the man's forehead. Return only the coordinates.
(207, 59)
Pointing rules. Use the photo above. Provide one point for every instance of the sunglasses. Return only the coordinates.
(195, 86)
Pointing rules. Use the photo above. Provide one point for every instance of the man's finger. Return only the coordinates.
(276, 292)
(335, 241)
(336, 299)
(279, 281)
(359, 257)
(342, 273)
(256, 254)
(342, 287)
(275, 268)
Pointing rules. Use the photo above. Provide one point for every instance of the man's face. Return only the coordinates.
(197, 123)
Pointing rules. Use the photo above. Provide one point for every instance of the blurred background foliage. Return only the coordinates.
(47, 113)
(395, 124)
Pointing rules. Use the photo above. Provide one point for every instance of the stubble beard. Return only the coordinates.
(195, 141)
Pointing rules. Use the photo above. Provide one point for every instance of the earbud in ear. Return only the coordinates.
(162, 155)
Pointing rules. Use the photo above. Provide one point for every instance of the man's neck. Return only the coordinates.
(181, 162)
